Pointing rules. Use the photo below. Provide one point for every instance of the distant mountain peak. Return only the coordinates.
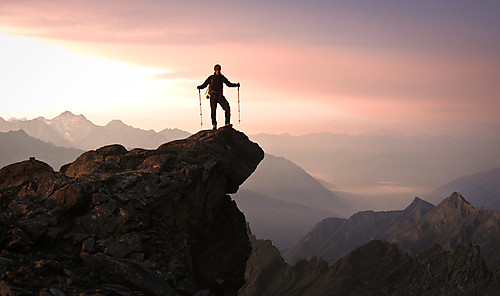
(13, 119)
(455, 200)
(115, 123)
(457, 196)
(70, 130)
(67, 121)
(482, 189)
(417, 200)
(18, 132)
(69, 115)
(419, 203)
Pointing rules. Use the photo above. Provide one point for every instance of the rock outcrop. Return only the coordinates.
(138, 222)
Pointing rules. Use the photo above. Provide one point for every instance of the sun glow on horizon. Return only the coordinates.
(40, 78)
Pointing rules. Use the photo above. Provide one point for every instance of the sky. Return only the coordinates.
(304, 66)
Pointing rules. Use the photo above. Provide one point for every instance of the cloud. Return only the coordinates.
(145, 22)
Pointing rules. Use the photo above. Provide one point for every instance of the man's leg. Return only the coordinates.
(225, 105)
(213, 108)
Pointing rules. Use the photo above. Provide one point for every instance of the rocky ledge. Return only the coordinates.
(138, 222)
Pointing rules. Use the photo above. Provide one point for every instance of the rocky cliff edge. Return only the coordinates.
(138, 222)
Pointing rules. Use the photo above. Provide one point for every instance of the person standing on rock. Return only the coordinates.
(215, 93)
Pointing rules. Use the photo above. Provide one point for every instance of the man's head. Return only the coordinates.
(217, 69)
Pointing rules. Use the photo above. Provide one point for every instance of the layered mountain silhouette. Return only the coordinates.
(36, 128)
(282, 179)
(285, 223)
(420, 226)
(69, 130)
(282, 202)
(17, 146)
(375, 268)
(482, 189)
(159, 222)
(333, 237)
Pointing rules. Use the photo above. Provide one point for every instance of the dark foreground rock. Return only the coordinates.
(139, 222)
(376, 268)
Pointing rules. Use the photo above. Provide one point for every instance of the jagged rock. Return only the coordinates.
(186, 286)
(49, 266)
(113, 289)
(152, 222)
(461, 268)
(265, 267)
(125, 245)
(202, 293)
(454, 222)
(127, 273)
(19, 241)
(376, 268)
(56, 292)
(418, 227)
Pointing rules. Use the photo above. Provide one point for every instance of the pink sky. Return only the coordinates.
(304, 66)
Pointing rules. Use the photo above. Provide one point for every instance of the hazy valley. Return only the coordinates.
(370, 169)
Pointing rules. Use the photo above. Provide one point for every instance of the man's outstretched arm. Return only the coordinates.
(205, 84)
(229, 83)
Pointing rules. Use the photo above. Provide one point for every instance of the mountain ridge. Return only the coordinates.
(454, 222)
(332, 238)
(420, 226)
(69, 130)
(375, 268)
(18, 145)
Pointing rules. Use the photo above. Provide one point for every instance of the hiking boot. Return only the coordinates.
(228, 124)
(214, 127)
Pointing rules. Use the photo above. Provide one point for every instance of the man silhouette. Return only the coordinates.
(215, 93)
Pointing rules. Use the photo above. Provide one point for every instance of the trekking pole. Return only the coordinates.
(201, 116)
(239, 117)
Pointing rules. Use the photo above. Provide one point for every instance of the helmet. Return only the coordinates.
(217, 67)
